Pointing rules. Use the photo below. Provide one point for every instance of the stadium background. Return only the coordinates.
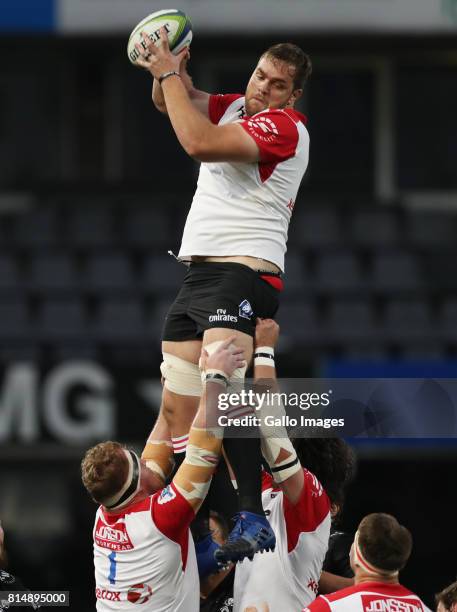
(94, 190)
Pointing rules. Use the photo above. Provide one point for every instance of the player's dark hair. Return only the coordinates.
(384, 542)
(293, 55)
(448, 596)
(104, 470)
(331, 460)
(221, 523)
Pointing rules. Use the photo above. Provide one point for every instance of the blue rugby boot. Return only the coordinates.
(252, 533)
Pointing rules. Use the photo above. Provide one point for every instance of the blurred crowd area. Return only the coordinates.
(94, 192)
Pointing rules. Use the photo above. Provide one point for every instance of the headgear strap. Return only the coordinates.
(367, 567)
(131, 486)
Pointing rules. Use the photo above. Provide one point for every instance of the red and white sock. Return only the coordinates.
(180, 444)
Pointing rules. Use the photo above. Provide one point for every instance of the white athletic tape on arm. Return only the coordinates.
(181, 376)
(199, 490)
(274, 440)
(155, 467)
(201, 457)
(264, 356)
(271, 448)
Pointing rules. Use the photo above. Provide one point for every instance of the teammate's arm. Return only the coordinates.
(193, 478)
(329, 583)
(198, 136)
(158, 451)
(276, 446)
(200, 99)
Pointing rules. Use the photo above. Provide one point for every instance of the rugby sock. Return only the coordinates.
(179, 452)
(245, 458)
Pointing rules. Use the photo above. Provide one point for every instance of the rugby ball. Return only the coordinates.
(176, 23)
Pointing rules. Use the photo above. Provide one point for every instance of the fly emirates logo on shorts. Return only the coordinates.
(375, 604)
(114, 538)
(221, 315)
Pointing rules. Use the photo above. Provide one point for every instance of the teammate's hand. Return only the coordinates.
(184, 61)
(227, 358)
(266, 332)
(157, 58)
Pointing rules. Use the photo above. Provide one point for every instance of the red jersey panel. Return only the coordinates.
(369, 597)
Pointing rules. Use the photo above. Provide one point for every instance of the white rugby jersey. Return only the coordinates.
(145, 555)
(369, 597)
(244, 208)
(289, 576)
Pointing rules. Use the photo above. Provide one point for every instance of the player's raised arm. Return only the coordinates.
(193, 478)
(199, 137)
(200, 99)
(277, 449)
(158, 451)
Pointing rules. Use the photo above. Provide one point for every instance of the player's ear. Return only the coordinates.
(296, 94)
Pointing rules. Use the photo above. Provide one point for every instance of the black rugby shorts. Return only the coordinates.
(216, 294)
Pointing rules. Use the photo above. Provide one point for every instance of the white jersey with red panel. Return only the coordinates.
(369, 597)
(145, 557)
(245, 208)
(287, 577)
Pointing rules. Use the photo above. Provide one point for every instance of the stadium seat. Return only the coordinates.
(92, 228)
(351, 321)
(431, 229)
(111, 272)
(363, 352)
(53, 272)
(147, 228)
(423, 352)
(448, 320)
(120, 320)
(338, 272)
(36, 228)
(396, 272)
(374, 228)
(315, 229)
(61, 319)
(15, 322)
(299, 323)
(296, 276)
(406, 319)
(162, 274)
(10, 274)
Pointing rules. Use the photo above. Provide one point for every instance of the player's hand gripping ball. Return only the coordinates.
(176, 24)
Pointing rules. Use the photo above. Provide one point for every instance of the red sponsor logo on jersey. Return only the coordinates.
(377, 603)
(114, 537)
(263, 128)
(139, 593)
(313, 585)
(109, 595)
(291, 205)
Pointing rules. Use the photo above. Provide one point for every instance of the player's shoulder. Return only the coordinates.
(283, 125)
(143, 505)
(288, 114)
(220, 104)
(341, 594)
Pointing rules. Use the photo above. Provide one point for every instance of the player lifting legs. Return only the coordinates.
(254, 153)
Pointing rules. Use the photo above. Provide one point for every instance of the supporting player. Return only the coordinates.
(143, 550)
(380, 550)
(254, 148)
(307, 479)
(446, 600)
